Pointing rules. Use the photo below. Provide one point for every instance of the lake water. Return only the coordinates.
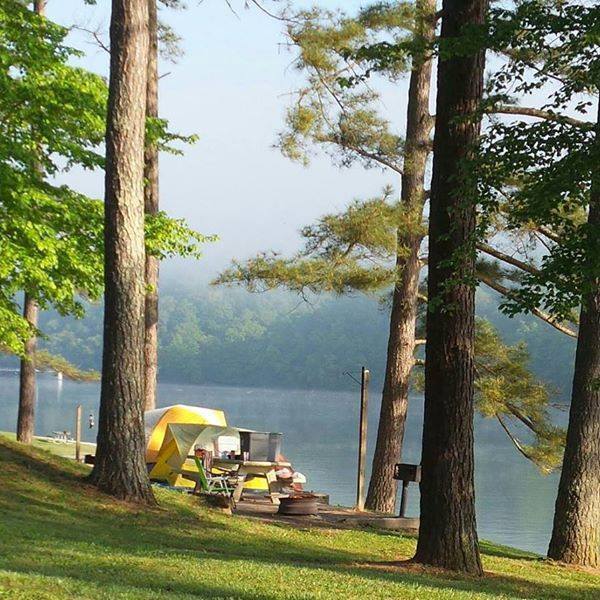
(514, 501)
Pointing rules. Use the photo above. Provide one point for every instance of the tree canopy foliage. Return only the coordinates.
(52, 118)
(538, 171)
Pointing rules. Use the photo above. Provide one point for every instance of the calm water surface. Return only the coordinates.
(514, 501)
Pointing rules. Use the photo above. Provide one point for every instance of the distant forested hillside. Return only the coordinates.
(229, 336)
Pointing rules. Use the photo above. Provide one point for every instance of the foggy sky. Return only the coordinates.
(231, 88)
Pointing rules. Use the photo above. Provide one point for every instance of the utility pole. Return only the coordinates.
(78, 433)
(362, 439)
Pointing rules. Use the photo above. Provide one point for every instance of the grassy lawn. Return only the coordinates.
(61, 539)
(59, 448)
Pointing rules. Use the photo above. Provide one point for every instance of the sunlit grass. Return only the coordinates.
(61, 539)
(66, 449)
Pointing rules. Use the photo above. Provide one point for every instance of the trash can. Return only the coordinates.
(261, 446)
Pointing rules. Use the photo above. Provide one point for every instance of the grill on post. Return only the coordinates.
(406, 473)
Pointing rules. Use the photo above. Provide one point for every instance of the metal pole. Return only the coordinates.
(362, 439)
(403, 498)
(78, 434)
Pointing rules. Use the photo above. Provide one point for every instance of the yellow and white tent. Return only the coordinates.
(174, 431)
(179, 442)
(156, 422)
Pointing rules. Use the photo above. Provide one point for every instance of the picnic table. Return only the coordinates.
(63, 437)
(266, 469)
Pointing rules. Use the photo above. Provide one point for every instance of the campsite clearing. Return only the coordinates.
(63, 539)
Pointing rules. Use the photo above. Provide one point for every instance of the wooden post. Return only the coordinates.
(362, 439)
(78, 434)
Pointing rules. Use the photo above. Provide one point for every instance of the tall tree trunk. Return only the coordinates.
(447, 533)
(576, 532)
(401, 341)
(120, 467)
(151, 207)
(27, 384)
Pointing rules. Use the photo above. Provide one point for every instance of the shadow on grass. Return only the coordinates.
(491, 583)
(75, 532)
(508, 552)
(158, 579)
(68, 585)
(38, 461)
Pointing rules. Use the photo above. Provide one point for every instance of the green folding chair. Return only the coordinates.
(211, 484)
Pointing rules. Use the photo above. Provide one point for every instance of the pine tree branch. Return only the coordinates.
(547, 115)
(506, 292)
(518, 445)
(343, 143)
(549, 233)
(511, 260)
(542, 240)
(514, 55)
(372, 156)
(96, 34)
(282, 17)
(45, 361)
(523, 418)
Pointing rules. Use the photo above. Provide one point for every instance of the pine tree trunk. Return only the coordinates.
(120, 467)
(576, 531)
(27, 378)
(447, 534)
(401, 341)
(27, 383)
(151, 207)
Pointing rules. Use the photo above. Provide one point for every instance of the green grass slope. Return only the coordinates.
(65, 449)
(61, 539)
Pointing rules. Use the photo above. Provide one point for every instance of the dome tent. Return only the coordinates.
(157, 420)
(179, 442)
(173, 431)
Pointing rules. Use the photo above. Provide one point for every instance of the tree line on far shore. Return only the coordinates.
(230, 337)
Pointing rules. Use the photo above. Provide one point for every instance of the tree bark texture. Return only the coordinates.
(120, 467)
(39, 6)
(27, 377)
(27, 383)
(401, 341)
(576, 531)
(151, 203)
(447, 533)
